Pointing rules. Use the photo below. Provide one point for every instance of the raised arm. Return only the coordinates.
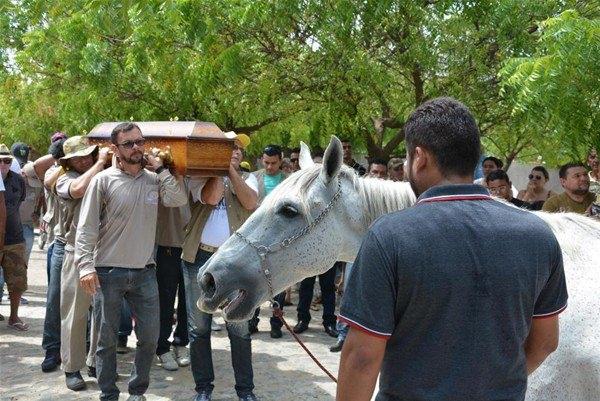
(80, 184)
(212, 191)
(247, 196)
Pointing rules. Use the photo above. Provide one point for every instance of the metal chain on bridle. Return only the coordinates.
(264, 250)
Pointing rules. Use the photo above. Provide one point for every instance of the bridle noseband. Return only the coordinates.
(264, 250)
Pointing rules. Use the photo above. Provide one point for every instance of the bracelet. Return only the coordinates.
(160, 170)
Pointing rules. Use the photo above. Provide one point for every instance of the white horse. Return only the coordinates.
(320, 214)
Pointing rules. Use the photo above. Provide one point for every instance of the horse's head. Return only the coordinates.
(311, 220)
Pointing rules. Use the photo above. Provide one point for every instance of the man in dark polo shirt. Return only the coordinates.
(435, 305)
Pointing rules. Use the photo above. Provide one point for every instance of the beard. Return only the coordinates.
(411, 180)
(580, 191)
(135, 158)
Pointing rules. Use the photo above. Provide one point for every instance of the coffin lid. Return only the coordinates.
(182, 129)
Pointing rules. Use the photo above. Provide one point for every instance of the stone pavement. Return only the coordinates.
(282, 370)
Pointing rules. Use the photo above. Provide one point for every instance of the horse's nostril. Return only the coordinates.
(207, 284)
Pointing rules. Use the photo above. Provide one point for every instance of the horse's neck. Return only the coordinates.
(381, 196)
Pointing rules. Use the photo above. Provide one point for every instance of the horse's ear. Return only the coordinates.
(332, 160)
(305, 158)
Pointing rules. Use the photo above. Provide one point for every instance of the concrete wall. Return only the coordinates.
(519, 173)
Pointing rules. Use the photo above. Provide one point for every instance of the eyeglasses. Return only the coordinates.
(535, 177)
(129, 144)
(6, 161)
(498, 189)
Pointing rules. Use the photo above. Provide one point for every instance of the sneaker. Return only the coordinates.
(74, 381)
(136, 397)
(276, 332)
(91, 371)
(24, 301)
(214, 326)
(51, 361)
(182, 355)
(122, 345)
(337, 347)
(249, 397)
(167, 361)
(203, 396)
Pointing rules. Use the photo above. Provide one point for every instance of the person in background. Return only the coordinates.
(286, 166)
(2, 223)
(499, 185)
(268, 178)
(488, 165)
(12, 254)
(536, 193)
(295, 159)
(349, 160)
(378, 168)
(594, 174)
(577, 197)
(396, 169)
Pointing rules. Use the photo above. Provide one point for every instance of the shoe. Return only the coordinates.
(337, 347)
(24, 301)
(276, 332)
(249, 397)
(330, 329)
(301, 327)
(253, 327)
(167, 361)
(203, 396)
(136, 397)
(74, 381)
(122, 345)
(182, 356)
(91, 371)
(51, 361)
(214, 326)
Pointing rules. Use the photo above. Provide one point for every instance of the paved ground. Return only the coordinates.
(282, 371)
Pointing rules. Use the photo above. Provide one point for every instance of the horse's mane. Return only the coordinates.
(378, 196)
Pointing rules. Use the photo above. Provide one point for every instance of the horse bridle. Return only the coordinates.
(264, 250)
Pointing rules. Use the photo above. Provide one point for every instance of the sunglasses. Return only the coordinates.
(129, 144)
(6, 161)
(535, 177)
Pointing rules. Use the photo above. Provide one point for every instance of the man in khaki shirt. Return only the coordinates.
(79, 165)
(114, 253)
(577, 197)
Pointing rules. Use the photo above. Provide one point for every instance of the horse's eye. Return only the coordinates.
(288, 211)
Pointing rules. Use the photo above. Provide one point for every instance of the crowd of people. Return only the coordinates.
(89, 203)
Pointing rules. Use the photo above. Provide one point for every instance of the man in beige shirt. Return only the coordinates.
(114, 253)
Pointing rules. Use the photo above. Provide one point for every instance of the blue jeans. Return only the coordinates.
(199, 334)
(51, 336)
(126, 322)
(138, 287)
(49, 260)
(342, 327)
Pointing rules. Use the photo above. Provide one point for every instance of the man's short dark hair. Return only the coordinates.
(564, 169)
(123, 127)
(495, 160)
(378, 160)
(542, 170)
(272, 150)
(295, 150)
(446, 128)
(497, 175)
(56, 149)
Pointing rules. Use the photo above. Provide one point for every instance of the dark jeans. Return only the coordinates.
(49, 260)
(126, 322)
(170, 284)
(327, 283)
(139, 288)
(51, 336)
(199, 332)
(274, 321)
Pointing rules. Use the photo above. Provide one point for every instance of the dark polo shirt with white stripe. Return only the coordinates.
(453, 284)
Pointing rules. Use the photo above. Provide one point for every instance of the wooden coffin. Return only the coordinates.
(198, 148)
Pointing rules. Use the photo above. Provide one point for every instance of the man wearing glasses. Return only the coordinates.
(114, 253)
(12, 253)
(499, 185)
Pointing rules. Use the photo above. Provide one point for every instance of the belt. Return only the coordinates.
(208, 248)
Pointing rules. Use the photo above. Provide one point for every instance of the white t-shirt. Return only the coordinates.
(216, 230)
(1, 184)
(14, 166)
